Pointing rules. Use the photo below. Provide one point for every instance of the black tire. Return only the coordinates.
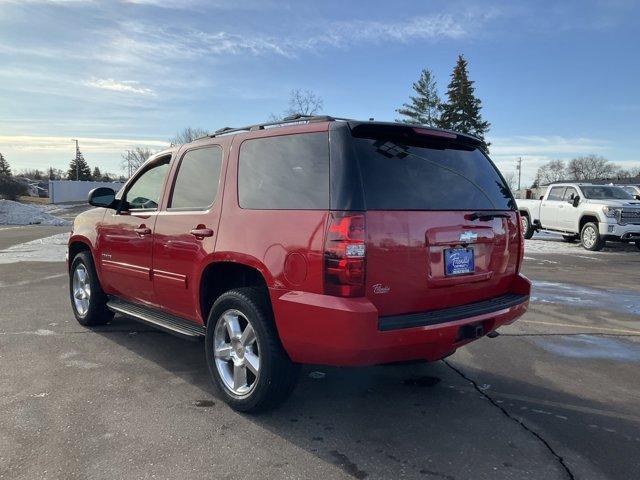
(638, 245)
(97, 312)
(569, 238)
(277, 375)
(591, 238)
(527, 228)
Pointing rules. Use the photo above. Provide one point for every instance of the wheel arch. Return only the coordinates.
(586, 218)
(223, 275)
(79, 244)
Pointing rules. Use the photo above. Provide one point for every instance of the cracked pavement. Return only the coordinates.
(556, 396)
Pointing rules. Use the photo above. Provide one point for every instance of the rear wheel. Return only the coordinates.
(569, 238)
(527, 228)
(591, 238)
(88, 301)
(247, 362)
(638, 244)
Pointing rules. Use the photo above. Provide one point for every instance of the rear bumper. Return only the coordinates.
(326, 330)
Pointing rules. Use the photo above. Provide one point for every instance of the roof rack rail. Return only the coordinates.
(289, 119)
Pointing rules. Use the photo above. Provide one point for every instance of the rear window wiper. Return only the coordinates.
(485, 216)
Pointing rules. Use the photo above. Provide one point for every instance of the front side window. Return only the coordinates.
(197, 180)
(146, 189)
(569, 194)
(289, 172)
(556, 194)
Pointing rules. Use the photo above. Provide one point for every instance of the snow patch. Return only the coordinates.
(16, 213)
(589, 346)
(48, 249)
(544, 242)
(623, 301)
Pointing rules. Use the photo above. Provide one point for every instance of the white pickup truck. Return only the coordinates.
(593, 213)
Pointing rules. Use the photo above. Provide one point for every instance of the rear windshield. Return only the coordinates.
(420, 175)
(604, 192)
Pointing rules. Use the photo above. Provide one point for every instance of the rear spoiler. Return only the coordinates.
(406, 132)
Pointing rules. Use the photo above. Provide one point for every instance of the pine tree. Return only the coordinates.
(96, 175)
(5, 169)
(462, 110)
(424, 108)
(78, 168)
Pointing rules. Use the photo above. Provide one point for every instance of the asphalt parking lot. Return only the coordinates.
(555, 396)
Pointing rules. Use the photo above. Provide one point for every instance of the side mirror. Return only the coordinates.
(541, 197)
(102, 197)
(576, 200)
(637, 197)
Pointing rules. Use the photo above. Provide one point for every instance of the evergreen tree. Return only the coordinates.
(424, 108)
(5, 169)
(461, 112)
(97, 175)
(78, 168)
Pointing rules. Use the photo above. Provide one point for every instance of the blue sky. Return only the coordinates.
(557, 79)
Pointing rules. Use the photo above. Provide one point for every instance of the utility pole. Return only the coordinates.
(519, 168)
(77, 151)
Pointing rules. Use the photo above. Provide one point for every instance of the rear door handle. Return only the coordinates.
(142, 230)
(201, 232)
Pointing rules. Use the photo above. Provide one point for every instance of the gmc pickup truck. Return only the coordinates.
(593, 213)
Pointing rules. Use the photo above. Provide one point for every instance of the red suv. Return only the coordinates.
(314, 240)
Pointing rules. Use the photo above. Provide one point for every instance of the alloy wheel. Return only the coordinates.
(589, 237)
(81, 290)
(236, 353)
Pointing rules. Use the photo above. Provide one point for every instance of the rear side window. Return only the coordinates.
(289, 172)
(556, 193)
(405, 174)
(196, 184)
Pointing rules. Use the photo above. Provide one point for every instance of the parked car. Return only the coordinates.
(593, 213)
(634, 190)
(314, 240)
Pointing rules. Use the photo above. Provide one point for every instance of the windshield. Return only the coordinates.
(401, 174)
(605, 192)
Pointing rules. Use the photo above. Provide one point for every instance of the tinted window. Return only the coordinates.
(145, 192)
(398, 175)
(604, 192)
(198, 177)
(556, 193)
(570, 194)
(286, 172)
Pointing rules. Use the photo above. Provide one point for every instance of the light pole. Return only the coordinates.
(519, 168)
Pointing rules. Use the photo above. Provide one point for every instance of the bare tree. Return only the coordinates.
(188, 135)
(550, 172)
(303, 102)
(133, 159)
(590, 167)
(512, 181)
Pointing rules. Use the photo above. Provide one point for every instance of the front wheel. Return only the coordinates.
(591, 238)
(247, 362)
(88, 301)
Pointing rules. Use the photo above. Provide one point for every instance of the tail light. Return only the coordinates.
(344, 255)
(521, 243)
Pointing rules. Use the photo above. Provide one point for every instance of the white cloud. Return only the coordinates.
(125, 86)
(50, 144)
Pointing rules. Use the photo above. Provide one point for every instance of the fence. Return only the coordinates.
(63, 191)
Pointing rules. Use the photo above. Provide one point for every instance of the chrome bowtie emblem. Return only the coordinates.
(466, 237)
